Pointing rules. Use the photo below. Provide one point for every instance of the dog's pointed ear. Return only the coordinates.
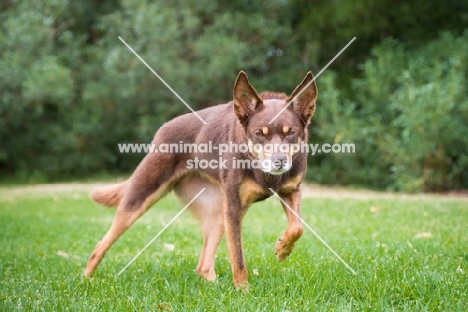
(303, 98)
(246, 99)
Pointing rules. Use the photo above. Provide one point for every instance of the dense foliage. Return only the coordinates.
(70, 90)
(407, 116)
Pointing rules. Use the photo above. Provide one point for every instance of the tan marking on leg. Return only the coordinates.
(208, 208)
(249, 191)
(233, 227)
(122, 221)
(291, 185)
(213, 230)
(285, 245)
(124, 218)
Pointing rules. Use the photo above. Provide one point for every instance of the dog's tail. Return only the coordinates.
(109, 196)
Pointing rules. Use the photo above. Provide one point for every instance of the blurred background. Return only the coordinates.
(70, 91)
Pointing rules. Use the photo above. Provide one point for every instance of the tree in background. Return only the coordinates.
(407, 116)
(71, 90)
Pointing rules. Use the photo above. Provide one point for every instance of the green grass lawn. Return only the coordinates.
(410, 253)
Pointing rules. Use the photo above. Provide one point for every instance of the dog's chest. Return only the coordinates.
(250, 191)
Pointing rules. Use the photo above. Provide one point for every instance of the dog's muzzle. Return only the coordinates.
(276, 164)
(279, 162)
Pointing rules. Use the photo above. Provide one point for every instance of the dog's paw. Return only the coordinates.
(285, 245)
(209, 275)
(244, 287)
(87, 273)
(283, 249)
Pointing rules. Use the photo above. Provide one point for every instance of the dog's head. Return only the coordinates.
(274, 137)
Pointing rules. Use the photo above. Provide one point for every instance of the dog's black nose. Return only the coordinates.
(279, 161)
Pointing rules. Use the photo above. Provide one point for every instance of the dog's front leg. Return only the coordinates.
(285, 245)
(233, 215)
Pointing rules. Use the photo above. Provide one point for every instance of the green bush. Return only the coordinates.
(407, 115)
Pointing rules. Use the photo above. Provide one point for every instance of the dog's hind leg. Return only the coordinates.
(122, 221)
(285, 245)
(208, 208)
(212, 223)
(147, 185)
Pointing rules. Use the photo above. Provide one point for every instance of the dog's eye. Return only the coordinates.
(291, 132)
(259, 133)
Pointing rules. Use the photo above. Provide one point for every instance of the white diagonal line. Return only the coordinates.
(333, 59)
(160, 232)
(315, 233)
(162, 80)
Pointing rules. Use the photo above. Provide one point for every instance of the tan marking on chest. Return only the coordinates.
(291, 184)
(250, 191)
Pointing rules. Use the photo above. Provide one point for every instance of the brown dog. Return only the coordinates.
(230, 190)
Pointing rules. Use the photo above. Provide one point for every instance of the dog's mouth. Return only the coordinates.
(276, 165)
